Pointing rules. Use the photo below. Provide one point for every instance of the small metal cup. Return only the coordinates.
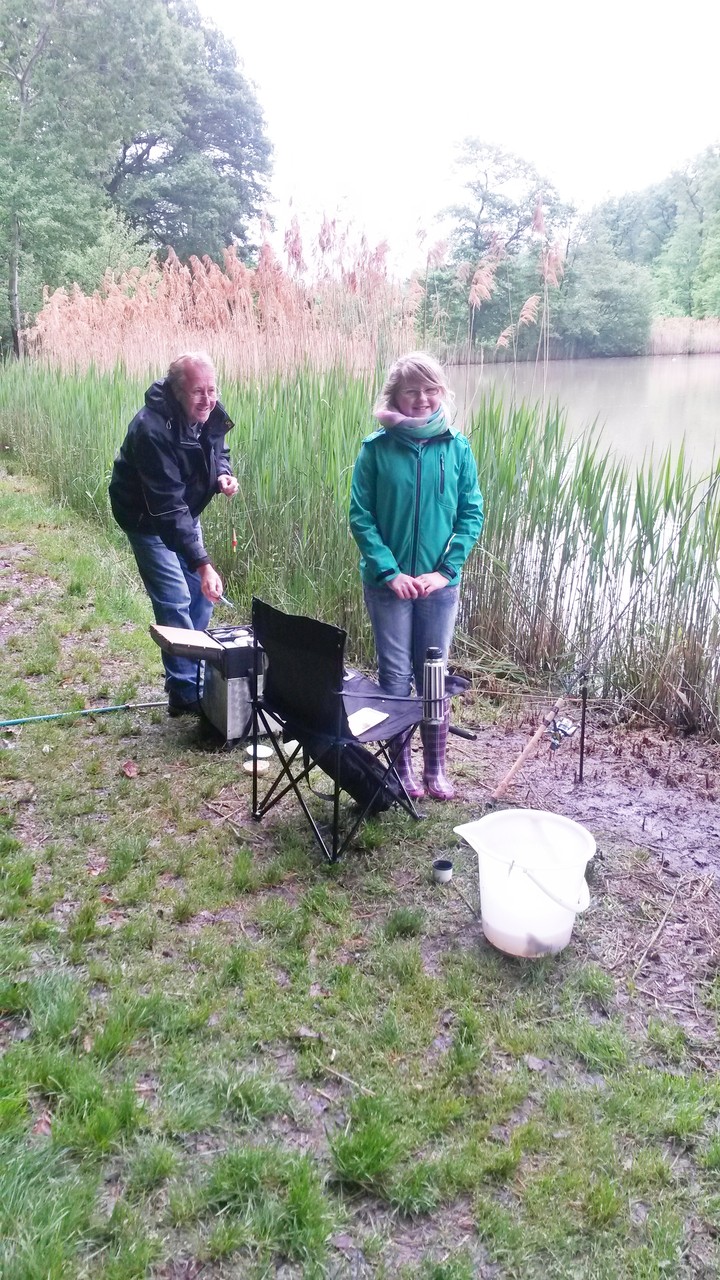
(442, 870)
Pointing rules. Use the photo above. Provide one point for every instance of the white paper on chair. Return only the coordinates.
(365, 718)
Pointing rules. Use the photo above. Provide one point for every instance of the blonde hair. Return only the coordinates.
(177, 371)
(420, 367)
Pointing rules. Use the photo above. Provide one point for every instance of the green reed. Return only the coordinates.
(580, 552)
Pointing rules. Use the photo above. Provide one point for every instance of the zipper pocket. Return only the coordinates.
(442, 473)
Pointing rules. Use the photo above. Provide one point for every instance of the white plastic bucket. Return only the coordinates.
(531, 865)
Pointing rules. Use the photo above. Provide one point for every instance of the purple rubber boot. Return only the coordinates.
(404, 767)
(434, 740)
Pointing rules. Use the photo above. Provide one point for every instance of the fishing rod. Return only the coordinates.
(93, 711)
(86, 711)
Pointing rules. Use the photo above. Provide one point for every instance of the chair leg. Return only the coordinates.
(404, 766)
(434, 740)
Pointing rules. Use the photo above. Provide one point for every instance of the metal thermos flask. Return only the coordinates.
(434, 687)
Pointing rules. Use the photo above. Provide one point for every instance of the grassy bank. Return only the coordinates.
(222, 1058)
(571, 537)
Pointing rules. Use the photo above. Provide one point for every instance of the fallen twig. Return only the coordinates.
(241, 832)
(657, 932)
(331, 1072)
(647, 992)
(469, 905)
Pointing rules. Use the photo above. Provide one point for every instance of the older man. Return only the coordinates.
(173, 460)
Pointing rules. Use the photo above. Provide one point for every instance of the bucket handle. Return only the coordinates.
(583, 898)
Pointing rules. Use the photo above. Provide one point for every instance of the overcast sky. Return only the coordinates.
(365, 103)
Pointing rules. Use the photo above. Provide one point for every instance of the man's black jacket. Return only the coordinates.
(165, 474)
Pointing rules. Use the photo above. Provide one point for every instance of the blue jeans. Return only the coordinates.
(177, 601)
(405, 629)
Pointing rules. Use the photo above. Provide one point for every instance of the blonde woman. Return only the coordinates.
(416, 512)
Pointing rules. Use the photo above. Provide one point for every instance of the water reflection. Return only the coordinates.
(642, 405)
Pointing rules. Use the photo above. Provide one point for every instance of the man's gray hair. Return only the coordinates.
(177, 372)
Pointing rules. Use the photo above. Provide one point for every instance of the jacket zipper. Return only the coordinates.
(442, 473)
(416, 526)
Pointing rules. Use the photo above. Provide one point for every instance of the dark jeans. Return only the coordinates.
(177, 601)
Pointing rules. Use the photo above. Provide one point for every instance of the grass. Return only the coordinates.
(220, 1053)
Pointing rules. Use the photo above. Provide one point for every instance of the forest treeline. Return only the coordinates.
(128, 130)
(525, 275)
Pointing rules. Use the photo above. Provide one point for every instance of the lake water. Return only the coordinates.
(642, 405)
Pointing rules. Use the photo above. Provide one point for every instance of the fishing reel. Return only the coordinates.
(559, 730)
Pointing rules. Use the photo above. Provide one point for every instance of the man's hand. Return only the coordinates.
(227, 485)
(211, 584)
(430, 582)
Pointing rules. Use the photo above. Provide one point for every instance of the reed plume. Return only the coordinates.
(483, 282)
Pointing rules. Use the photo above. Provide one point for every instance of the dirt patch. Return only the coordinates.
(19, 585)
(649, 797)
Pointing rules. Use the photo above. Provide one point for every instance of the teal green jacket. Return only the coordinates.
(415, 508)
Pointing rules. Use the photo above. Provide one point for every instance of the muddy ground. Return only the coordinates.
(651, 798)
(643, 785)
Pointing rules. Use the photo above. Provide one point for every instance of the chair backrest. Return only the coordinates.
(305, 666)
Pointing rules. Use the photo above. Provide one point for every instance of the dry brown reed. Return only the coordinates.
(538, 222)
(342, 310)
(683, 335)
(483, 283)
(528, 315)
(529, 310)
(552, 265)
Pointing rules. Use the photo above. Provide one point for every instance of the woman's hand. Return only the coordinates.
(405, 587)
(228, 485)
(429, 582)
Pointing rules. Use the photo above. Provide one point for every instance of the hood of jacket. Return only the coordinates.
(161, 399)
(165, 474)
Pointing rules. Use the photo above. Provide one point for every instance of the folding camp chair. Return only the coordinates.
(338, 720)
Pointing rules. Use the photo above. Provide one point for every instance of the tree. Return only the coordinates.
(96, 92)
(675, 268)
(640, 224)
(27, 162)
(115, 247)
(672, 227)
(497, 252)
(505, 192)
(707, 274)
(684, 271)
(193, 178)
(458, 314)
(605, 305)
